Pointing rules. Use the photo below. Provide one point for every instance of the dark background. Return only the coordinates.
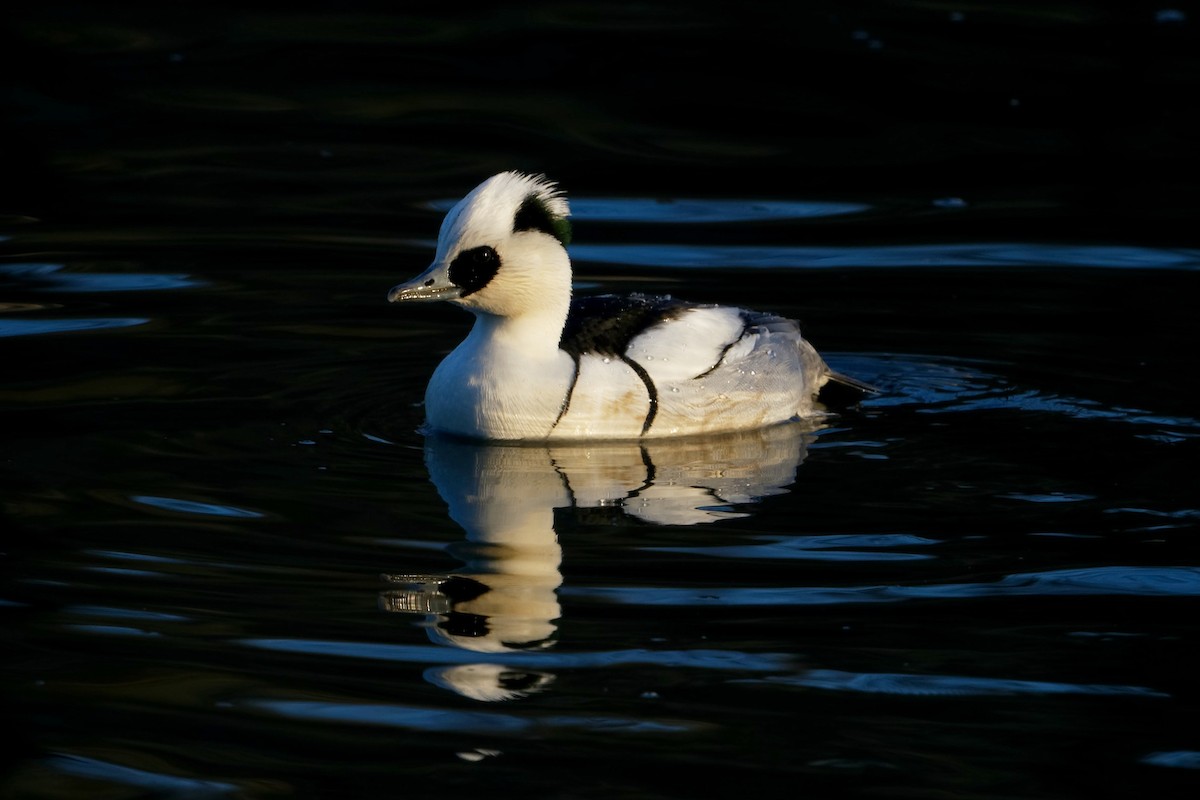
(212, 438)
(1085, 108)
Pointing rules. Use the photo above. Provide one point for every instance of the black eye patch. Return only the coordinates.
(473, 269)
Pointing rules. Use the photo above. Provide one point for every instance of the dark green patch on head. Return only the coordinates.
(534, 216)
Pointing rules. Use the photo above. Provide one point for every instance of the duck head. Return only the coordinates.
(501, 250)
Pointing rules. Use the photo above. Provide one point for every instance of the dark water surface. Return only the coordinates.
(233, 567)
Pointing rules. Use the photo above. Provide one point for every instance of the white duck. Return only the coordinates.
(538, 366)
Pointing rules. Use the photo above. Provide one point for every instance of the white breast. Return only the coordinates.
(494, 392)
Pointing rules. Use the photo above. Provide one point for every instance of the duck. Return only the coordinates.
(538, 364)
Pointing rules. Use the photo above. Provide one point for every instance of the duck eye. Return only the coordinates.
(471, 270)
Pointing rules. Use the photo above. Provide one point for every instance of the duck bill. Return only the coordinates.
(432, 284)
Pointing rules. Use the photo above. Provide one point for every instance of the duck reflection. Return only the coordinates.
(505, 599)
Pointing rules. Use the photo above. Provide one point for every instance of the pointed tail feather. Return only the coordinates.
(842, 390)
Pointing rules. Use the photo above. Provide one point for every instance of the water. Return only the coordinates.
(233, 567)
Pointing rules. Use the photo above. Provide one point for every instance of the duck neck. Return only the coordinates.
(532, 335)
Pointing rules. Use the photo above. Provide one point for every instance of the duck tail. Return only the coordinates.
(842, 390)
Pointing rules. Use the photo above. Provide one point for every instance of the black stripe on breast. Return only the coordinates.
(747, 325)
(651, 391)
(566, 403)
(605, 324)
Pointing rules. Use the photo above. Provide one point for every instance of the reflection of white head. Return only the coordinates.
(488, 682)
(504, 497)
(497, 612)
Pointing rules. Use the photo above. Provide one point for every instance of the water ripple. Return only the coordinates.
(693, 210)
(443, 720)
(954, 385)
(1135, 581)
(1178, 759)
(127, 556)
(113, 630)
(944, 685)
(816, 548)
(1027, 254)
(1114, 580)
(195, 507)
(692, 659)
(52, 278)
(698, 211)
(36, 327)
(123, 613)
(157, 782)
(438, 720)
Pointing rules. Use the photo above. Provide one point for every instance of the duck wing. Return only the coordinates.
(606, 324)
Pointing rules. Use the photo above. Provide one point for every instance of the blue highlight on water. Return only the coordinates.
(816, 548)
(1112, 580)
(1175, 759)
(985, 254)
(442, 720)
(945, 685)
(55, 278)
(158, 783)
(195, 507)
(424, 654)
(693, 211)
(37, 327)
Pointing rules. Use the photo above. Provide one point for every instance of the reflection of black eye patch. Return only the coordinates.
(468, 626)
(534, 216)
(473, 269)
(517, 681)
(462, 589)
